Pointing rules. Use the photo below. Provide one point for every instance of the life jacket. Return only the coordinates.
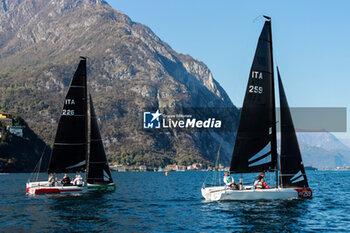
(265, 186)
(78, 181)
(65, 181)
(258, 184)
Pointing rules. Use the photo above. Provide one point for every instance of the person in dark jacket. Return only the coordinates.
(66, 180)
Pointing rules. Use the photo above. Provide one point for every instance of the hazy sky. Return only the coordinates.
(311, 42)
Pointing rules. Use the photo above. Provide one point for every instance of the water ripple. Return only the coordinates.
(153, 202)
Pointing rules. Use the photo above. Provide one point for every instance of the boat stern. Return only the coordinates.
(304, 193)
(212, 193)
(102, 188)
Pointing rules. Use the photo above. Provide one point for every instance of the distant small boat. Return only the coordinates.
(310, 168)
(256, 147)
(70, 149)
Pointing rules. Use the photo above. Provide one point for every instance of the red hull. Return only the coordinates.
(52, 191)
(304, 193)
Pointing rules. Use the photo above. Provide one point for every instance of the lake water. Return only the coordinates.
(153, 202)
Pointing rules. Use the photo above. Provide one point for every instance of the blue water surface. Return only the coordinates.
(153, 202)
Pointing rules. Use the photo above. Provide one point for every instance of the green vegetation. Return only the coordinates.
(154, 160)
(132, 159)
(20, 154)
(130, 70)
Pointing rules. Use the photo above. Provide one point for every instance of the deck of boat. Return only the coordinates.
(220, 193)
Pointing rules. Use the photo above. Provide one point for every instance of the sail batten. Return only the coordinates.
(256, 128)
(70, 146)
(292, 171)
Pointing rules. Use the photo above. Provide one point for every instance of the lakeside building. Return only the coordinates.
(119, 168)
(171, 167)
(16, 130)
(143, 168)
(6, 119)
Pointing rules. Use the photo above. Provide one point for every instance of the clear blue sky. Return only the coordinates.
(311, 42)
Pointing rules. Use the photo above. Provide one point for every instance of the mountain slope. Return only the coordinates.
(323, 150)
(323, 140)
(130, 70)
(21, 154)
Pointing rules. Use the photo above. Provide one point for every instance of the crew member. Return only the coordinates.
(259, 182)
(78, 180)
(66, 180)
(228, 180)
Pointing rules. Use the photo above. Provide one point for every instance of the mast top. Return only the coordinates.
(267, 17)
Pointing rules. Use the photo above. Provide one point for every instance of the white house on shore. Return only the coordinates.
(17, 130)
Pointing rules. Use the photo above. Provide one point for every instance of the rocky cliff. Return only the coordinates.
(129, 70)
(21, 154)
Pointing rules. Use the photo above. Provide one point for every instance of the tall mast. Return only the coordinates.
(87, 115)
(274, 133)
(274, 138)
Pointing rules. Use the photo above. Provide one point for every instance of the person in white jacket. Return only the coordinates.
(78, 180)
(228, 180)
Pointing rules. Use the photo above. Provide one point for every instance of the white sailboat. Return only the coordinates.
(256, 147)
(70, 150)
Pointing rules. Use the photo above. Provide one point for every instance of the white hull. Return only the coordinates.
(219, 193)
(43, 187)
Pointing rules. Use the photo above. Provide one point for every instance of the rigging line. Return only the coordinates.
(258, 18)
(216, 164)
(38, 166)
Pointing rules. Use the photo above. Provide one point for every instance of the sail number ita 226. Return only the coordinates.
(68, 112)
(256, 89)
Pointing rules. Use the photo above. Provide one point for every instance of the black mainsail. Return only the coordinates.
(292, 172)
(255, 147)
(98, 170)
(69, 153)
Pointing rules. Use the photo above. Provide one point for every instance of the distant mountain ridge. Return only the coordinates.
(129, 69)
(323, 140)
(323, 150)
